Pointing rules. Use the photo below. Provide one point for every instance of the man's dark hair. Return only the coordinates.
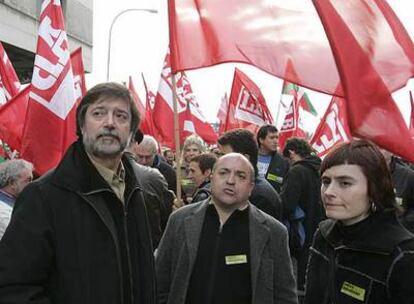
(263, 131)
(107, 90)
(205, 161)
(241, 141)
(166, 151)
(299, 145)
(369, 158)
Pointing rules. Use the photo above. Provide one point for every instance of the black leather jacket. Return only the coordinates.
(370, 262)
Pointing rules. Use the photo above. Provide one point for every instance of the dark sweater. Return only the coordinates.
(221, 272)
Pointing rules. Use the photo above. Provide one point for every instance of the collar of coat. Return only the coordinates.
(259, 231)
(77, 173)
(382, 236)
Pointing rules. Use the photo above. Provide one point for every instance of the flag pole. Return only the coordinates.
(177, 138)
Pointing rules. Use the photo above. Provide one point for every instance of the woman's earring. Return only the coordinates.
(373, 207)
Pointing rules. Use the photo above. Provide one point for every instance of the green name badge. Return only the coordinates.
(236, 259)
(353, 291)
(275, 178)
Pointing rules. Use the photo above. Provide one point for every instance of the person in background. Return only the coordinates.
(402, 180)
(169, 157)
(361, 254)
(193, 146)
(302, 208)
(224, 250)
(263, 196)
(199, 172)
(271, 165)
(147, 155)
(157, 196)
(15, 174)
(80, 233)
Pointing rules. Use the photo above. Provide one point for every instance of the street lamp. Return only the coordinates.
(148, 10)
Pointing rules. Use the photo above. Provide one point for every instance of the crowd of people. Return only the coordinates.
(255, 224)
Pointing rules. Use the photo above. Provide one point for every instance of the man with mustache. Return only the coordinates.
(80, 233)
(223, 249)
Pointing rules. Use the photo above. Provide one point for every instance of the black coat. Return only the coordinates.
(71, 240)
(202, 192)
(266, 198)
(302, 188)
(277, 171)
(370, 262)
(167, 171)
(403, 182)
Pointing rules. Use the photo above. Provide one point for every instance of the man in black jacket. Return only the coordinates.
(146, 153)
(263, 196)
(199, 171)
(80, 233)
(302, 210)
(271, 165)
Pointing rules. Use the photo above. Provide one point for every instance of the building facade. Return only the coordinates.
(19, 23)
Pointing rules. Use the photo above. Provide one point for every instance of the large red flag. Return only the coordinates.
(9, 82)
(13, 114)
(163, 114)
(333, 128)
(269, 33)
(12, 117)
(247, 106)
(50, 121)
(371, 110)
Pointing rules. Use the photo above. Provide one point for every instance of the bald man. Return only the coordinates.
(223, 249)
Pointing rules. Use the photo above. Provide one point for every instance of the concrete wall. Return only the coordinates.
(19, 25)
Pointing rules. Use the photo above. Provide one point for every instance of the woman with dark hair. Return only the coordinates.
(361, 254)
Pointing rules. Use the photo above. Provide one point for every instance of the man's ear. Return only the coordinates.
(207, 173)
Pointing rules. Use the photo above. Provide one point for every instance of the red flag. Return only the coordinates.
(194, 122)
(146, 125)
(149, 105)
(222, 113)
(269, 33)
(12, 118)
(247, 106)
(371, 110)
(50, 121)
(13, 114)
(191, 124)
(78, 73)
(9, 82)
(290, 127)
(138, 102)
(333, 128)
(150, 96)
(412, 115)
(163, 109)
